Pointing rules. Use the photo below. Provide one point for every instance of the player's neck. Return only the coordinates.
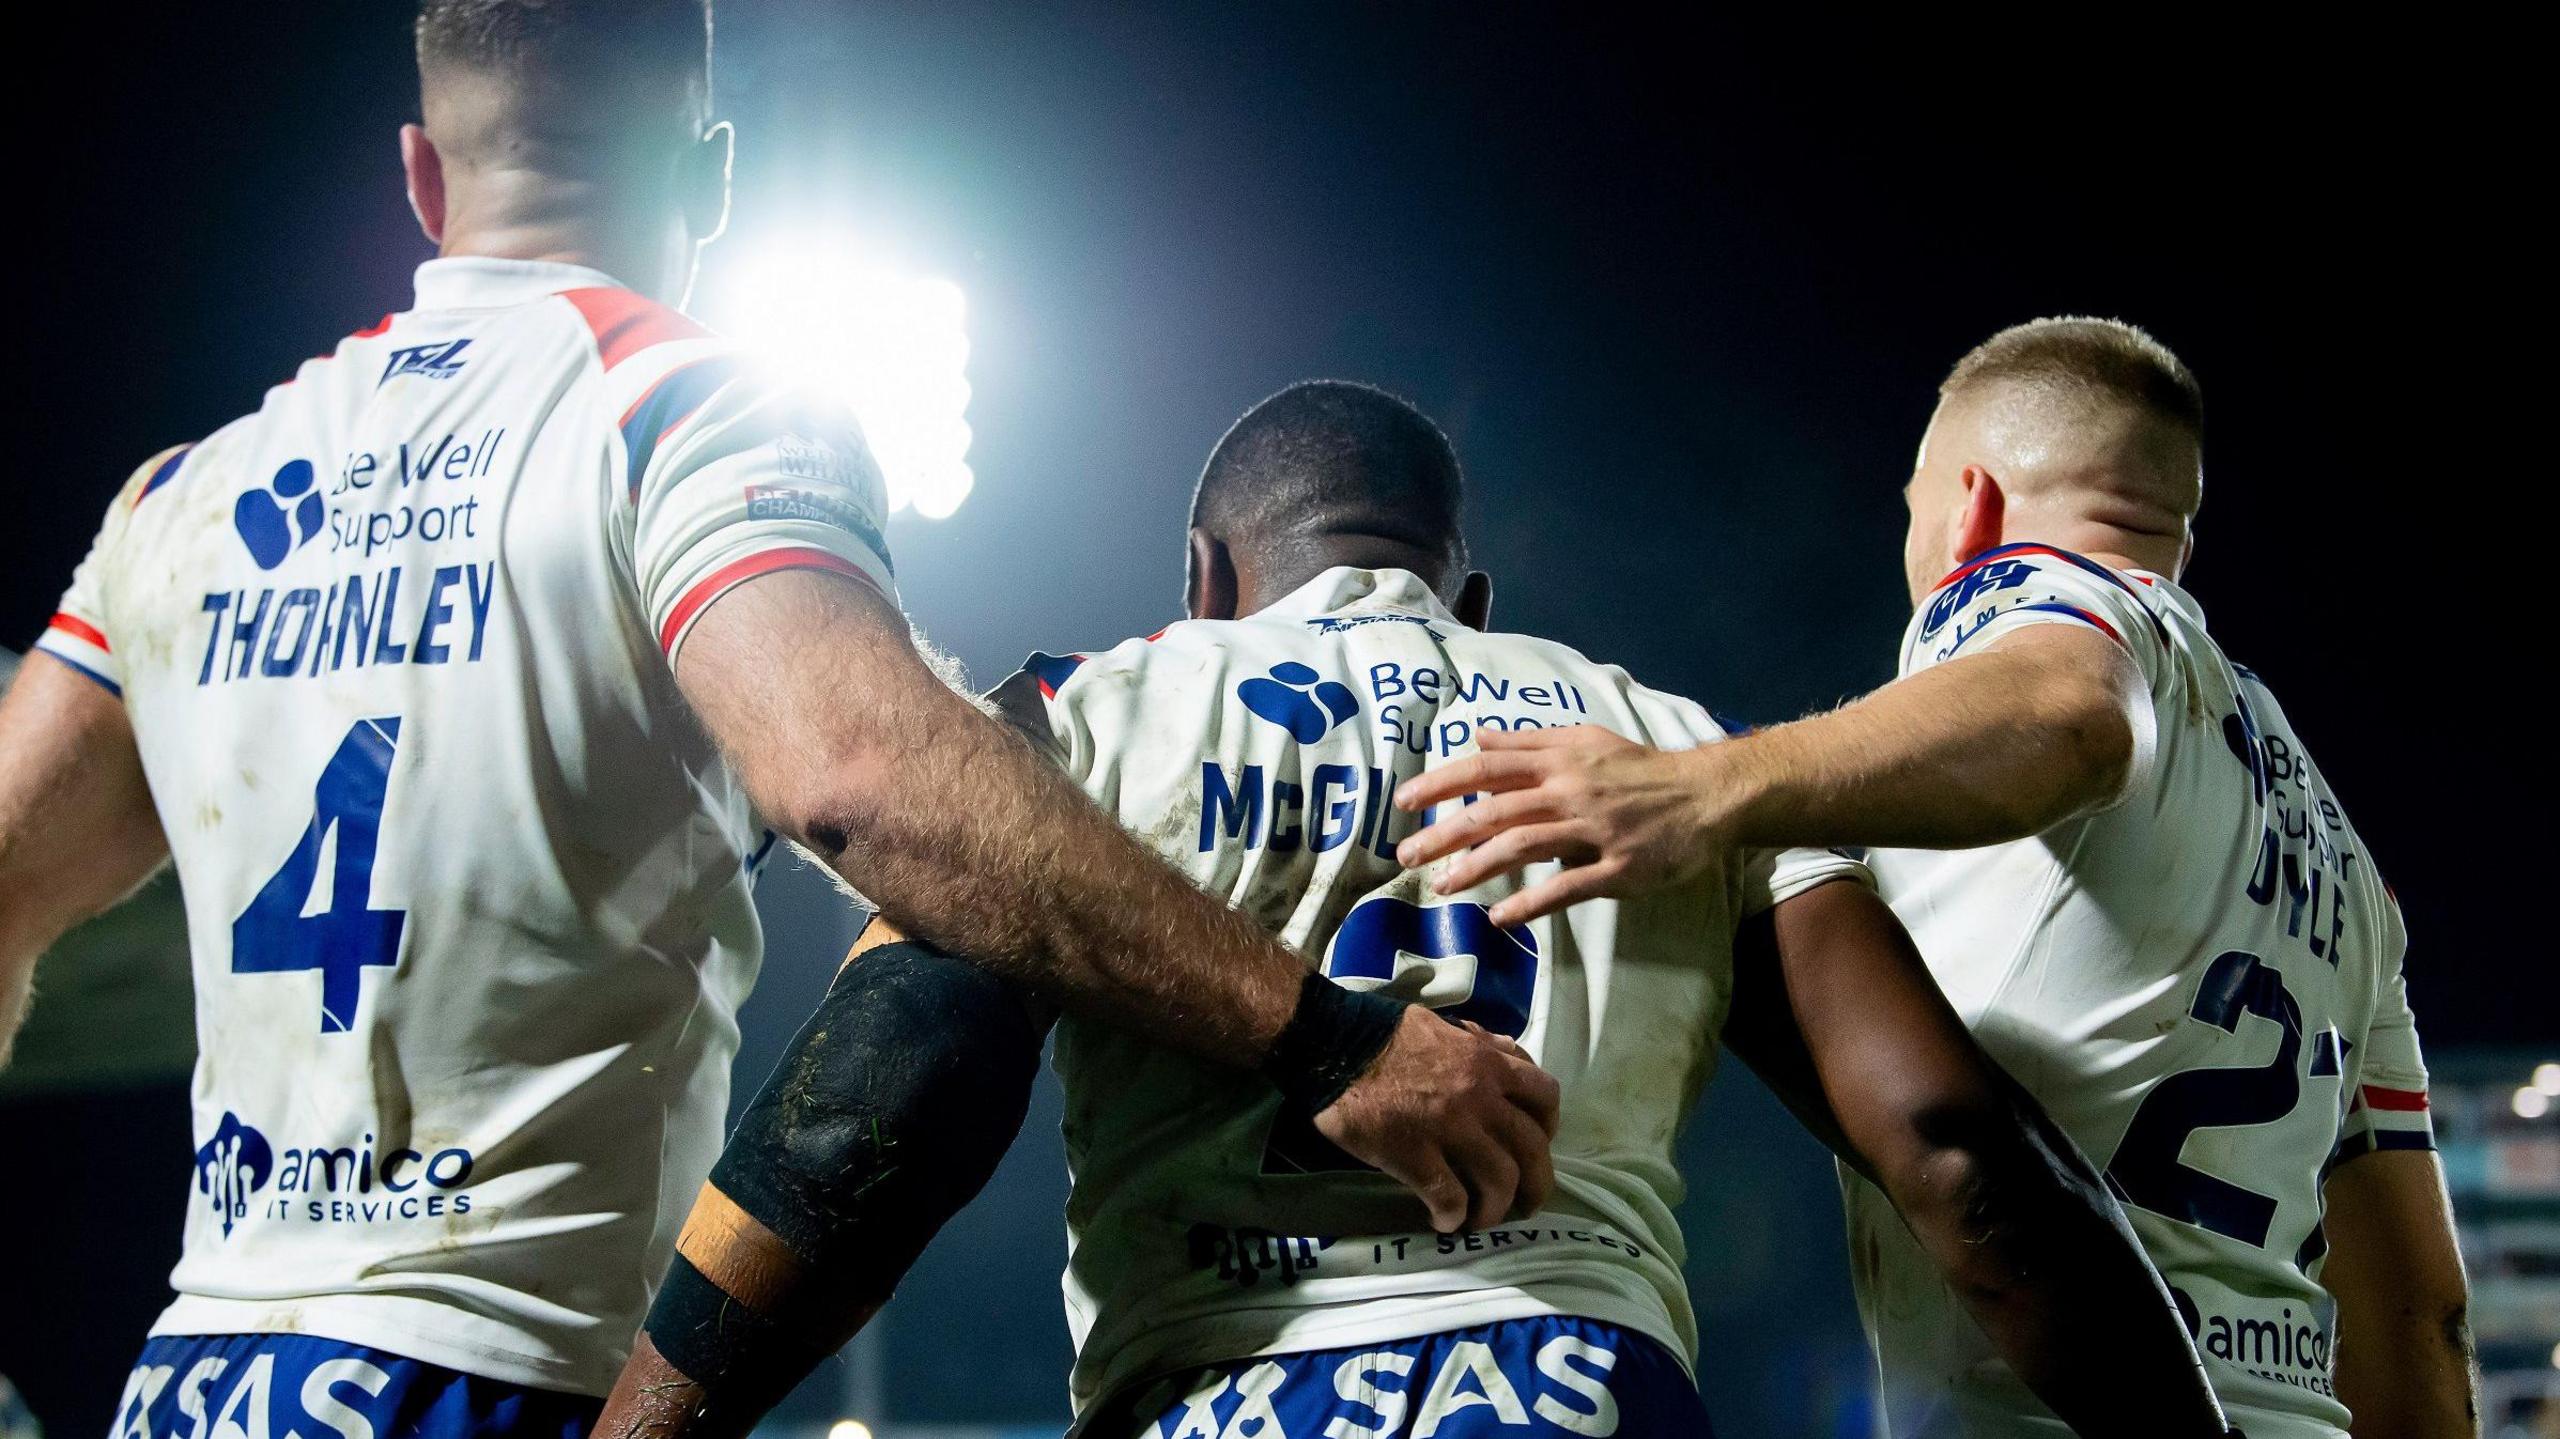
(2110, 545)
(568, 241)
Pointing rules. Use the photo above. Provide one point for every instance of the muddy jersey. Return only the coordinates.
(2202, 983)
(1260, 756)
(469, 889)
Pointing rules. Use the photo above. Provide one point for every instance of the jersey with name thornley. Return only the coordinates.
(470, 892)
(2202, 983)
(1260, 756)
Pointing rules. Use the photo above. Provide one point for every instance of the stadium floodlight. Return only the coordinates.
(2546, 1077)
(848, 1429)
(2531, 1103)
(893, 345)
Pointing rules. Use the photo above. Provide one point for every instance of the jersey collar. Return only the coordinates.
(481, 282)
(2170, 594)
(1345, 588)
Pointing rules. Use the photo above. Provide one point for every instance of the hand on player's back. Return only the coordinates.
(1623, 818)
(1459, 1115)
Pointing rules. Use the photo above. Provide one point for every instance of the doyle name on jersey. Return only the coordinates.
(1262, 756)
(2203, 985)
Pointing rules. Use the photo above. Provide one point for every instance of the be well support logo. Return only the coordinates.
(1297, 700)
(281, 516)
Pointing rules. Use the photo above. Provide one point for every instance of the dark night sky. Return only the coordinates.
(1681, 298)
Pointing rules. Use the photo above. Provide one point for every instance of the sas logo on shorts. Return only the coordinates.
(1295, 699)
(428, 362)
(234, 1164)
(280, 516)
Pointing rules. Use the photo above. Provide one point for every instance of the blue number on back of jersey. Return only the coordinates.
(2148, 1172)
(349, 936)
(1506, 960)
(1368, 946)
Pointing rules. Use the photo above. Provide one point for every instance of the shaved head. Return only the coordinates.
(570, 129)
(2091, 431)
(2093, 410)
(562, 84)
(1328, 472)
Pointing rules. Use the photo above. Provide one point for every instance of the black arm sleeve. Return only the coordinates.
(889, 1112)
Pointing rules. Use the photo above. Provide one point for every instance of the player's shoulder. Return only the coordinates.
(652, 357)
(624, 327)
(1599, 691)
(1060, 674)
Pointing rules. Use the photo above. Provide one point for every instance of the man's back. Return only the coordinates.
(2201, 983)
(470, 891)
(1261, 755)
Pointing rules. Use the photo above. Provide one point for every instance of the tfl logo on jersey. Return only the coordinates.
(1294, 699)
(428, 362)
(1998, 575)
(282, 517)
(231, 1166)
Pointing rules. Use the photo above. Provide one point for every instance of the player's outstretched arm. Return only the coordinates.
(77, 827)
(966, 838)
(888, 1112)
(2045, 723)
(2405, 1366)
(1834, 1008)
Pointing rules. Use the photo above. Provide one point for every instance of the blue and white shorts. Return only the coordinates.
(1554, 1377)
(269, 1386)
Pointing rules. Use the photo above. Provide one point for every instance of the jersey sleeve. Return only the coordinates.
(2388, 1109)
(1771, 877)
(81, 633)
(726, 473)
(2015, 586)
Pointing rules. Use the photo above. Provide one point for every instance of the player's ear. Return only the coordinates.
(1980, 516)
(706, 183)
(1474, 608)
(1210, 593)
(425, 170)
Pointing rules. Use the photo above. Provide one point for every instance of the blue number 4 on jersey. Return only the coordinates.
(273, 935)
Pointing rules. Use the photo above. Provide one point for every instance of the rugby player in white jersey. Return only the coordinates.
(2129, 876)
(450, 679)
(1229, 1273)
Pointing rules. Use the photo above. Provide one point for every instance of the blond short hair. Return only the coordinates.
(2092, 360)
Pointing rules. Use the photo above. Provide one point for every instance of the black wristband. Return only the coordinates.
(745, 1361)
(1329, 1042)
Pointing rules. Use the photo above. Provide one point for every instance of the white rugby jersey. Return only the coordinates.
(470, 890)
(2201, 983)
(1260, 755)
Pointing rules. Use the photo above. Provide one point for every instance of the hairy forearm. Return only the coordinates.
(1982, 750)
(2405, 1363)
(2411, 1375)
(1086, 917)
(2025, 1231)
(964, 837)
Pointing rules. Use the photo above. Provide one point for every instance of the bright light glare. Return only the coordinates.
(848, 1429)
(2532, 1103)
(895, 346)
(2546, 1077)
